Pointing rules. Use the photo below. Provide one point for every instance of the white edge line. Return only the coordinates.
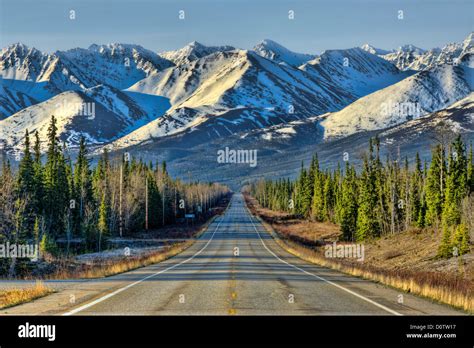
(321, 278)
(103, 298)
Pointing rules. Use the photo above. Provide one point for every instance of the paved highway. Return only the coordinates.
(235, 268)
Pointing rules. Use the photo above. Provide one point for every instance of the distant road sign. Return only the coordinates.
(189, 216)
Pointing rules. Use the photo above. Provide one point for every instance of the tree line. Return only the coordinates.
(51, 199)
(384, 197)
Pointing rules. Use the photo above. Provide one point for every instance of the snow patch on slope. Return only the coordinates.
(425, 92)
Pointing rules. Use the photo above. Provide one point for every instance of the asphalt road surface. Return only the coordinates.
(235, 268)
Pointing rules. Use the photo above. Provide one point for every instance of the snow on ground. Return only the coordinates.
(116, 254)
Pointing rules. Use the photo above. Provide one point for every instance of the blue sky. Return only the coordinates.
(154, 24)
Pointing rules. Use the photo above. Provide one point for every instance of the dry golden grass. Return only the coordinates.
(452, 290)
(13, 297)
(406, 261)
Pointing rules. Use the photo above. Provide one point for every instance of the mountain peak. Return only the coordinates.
(195, 44)
(269, 43)
(20, 49)
(411, 48)
(17, 45)
(191, 52)
(274, 51)
(114, 47)
(371, 49)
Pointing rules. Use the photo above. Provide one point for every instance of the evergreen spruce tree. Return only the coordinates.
(25, 193)
(349, 204)
(317, 205)
(328, 199)
(415, 193)
(36, 232)
(456, 184)
(154, 202)
(56, 185)
(461, 239)
(39, 177)
(303, 194)
(456, 190)
(313, 171)
(434, 186)
(445, 248)
(368, 224)
(22, 211)
(82, 187)
(102, 223)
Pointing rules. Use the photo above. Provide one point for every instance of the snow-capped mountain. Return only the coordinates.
(101, 114)
(116, 65)
(35, 76)
(271, 50)
(198, 94)
(354, 71)
(371, 49)
(236, 79)
(191, 52)
(247, 91)
(73, 111)
(411, 98)
(406, 139)
(405, 57)
(38, 75)
(409, 57)
(19, 62)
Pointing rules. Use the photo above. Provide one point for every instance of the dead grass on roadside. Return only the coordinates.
(452, 290)
(13, 297)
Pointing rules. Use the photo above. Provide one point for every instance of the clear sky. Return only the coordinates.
(317, 25)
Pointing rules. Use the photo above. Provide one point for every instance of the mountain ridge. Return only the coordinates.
(220, 91)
